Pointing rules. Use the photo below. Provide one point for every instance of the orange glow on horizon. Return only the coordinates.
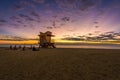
(60, 41)
(19, 42)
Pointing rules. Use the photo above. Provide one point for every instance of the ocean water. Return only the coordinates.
(91, 46)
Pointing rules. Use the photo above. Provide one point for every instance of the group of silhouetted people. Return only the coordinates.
(14, 47)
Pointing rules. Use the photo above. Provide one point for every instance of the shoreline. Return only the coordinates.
(78, 46)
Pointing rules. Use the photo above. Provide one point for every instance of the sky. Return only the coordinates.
(66, 19)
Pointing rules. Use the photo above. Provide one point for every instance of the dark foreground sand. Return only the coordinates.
(60, 64)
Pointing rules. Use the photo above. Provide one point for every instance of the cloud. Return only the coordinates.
(49, 27)
(14, 18)
(14, 24)
(85, 4)
(71, 39)
(18, 7)
(9, 37)
(20, 22)
(3, 21)
(105, 36)
(14, 38)
(91, 37)
(96, 22)
(26, 17)
(39, 1)
(24, 5)
(1, 24)
(35, 14)
(65, 19)
(65, 4)
(27, 3)
(77, 4)
(23, 15)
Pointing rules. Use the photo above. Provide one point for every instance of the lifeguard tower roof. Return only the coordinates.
(47, 33)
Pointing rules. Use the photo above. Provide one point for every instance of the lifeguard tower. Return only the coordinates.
(45, 40)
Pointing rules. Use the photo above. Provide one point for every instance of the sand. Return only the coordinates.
(60, 64)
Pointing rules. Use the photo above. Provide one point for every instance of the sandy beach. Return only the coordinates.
(60, 64)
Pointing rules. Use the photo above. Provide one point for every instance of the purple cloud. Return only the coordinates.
(39, 1)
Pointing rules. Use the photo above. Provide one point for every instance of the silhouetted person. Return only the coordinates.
(19, 46)
(34, 49)
(15, 47)
(31, 47)
(24, 48)
(11, 47)
(39, 46)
